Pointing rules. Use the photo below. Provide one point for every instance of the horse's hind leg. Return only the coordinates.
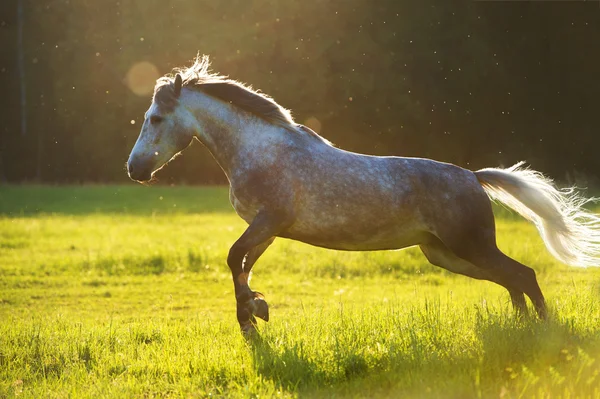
(491, 265)
(518, 301)
(439, 255)
(466, 240)
(515, 274)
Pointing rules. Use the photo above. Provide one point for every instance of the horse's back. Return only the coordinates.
(353, 201)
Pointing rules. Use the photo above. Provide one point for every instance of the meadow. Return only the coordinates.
(123, 291)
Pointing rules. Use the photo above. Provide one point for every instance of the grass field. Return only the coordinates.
(123, 291)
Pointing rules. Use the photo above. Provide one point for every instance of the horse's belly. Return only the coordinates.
(357, 238)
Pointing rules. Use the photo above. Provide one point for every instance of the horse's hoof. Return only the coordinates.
(542, 314)
(248, 330)
(261, 309)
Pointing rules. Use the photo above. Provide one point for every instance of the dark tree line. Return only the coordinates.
(473, 83)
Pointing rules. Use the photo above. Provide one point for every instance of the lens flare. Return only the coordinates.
(141, 78)
(314, 124)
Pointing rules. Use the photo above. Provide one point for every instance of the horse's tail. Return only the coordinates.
(570, 233)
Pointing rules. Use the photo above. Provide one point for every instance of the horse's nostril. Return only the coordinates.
(139, 171)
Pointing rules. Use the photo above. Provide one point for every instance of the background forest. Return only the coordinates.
(473, 83)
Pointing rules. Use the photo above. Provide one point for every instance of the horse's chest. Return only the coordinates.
(246, 209)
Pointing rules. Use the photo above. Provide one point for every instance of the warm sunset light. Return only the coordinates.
(299, 199)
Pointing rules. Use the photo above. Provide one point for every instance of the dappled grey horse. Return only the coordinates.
(287, 181)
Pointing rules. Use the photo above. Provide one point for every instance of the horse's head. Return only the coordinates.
(167, 130)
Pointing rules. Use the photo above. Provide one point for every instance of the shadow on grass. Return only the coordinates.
(354, 375)
(535, 343)
(503, 354)
(287, 366)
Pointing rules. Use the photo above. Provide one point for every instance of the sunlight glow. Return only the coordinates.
(141, 78)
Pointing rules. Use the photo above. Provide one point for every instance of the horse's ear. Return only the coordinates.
(178, 84)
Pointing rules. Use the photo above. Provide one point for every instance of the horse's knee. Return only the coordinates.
(235, 257)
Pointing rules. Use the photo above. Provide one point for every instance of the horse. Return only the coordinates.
(287, 181)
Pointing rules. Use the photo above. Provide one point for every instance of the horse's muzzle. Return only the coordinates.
(138, 171)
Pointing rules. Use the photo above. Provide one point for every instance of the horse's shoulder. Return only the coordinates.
(261, 184)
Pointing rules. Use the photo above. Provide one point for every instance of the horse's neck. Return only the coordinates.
(234, 138)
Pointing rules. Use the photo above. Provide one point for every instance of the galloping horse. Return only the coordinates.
(287, 181)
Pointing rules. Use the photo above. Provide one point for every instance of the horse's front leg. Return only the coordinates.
(255, 240)
(256, 304)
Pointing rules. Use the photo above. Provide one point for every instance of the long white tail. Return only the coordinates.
(570, 233)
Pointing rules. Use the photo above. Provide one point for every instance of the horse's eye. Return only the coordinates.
(155, 119)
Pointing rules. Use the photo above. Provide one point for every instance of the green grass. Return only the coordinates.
(123, 291)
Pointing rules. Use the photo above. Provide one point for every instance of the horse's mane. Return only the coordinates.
(199, 77)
